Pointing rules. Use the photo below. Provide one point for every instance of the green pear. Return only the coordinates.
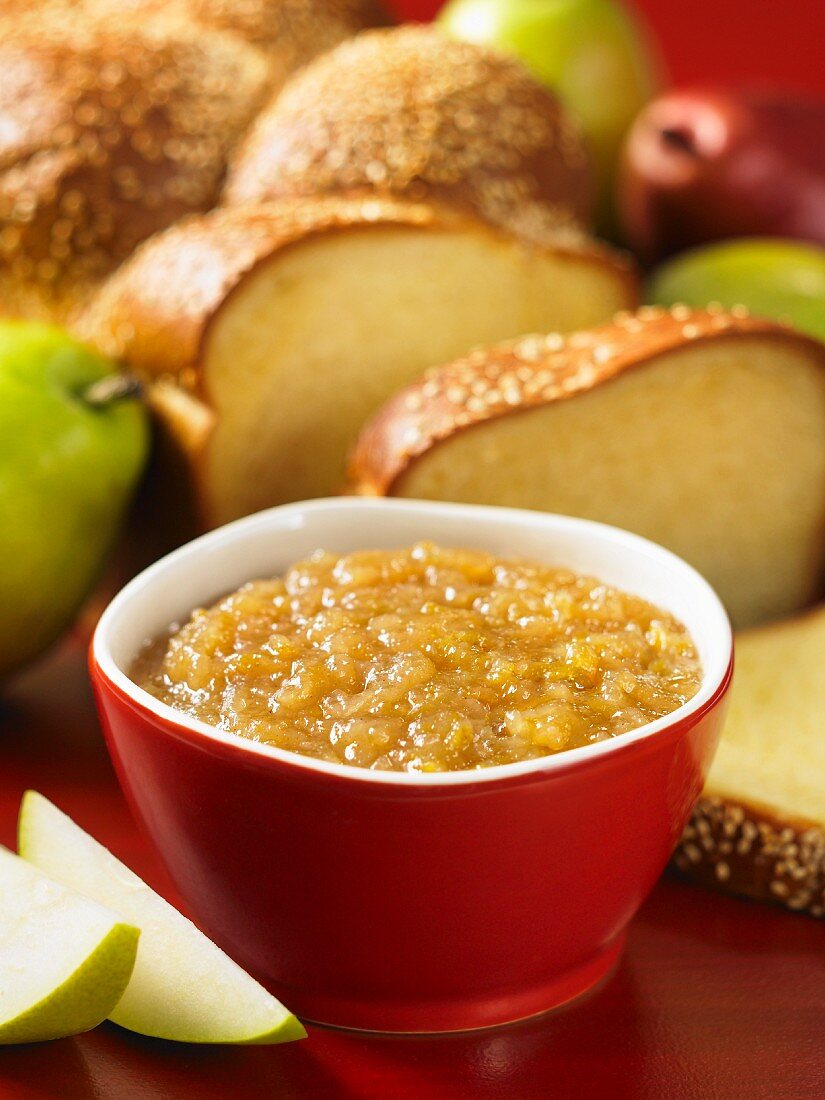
(593, 53)
(183, 986)
(779, 279)
(71, 450)
(64, 960)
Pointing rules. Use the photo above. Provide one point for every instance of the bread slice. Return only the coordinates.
(759, 828)
(702, 430)
(109, 131)
(272, 333)
(407, 112)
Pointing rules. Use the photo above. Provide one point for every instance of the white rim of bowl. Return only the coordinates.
(712, 678)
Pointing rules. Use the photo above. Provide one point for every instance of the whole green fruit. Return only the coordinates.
(69, 459)
(782, 280)
(592, 53)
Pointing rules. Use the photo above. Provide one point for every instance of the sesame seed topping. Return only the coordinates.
(650, 313)
(408, 111)
(604, 353)
(127, 127)
(761, 857)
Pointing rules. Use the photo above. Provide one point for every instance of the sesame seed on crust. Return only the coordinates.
(527, 373)
(110, 133)
(409, 112)
(753, 853)
(289, 32)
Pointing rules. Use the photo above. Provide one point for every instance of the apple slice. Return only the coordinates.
(64, 960)
(183, 986)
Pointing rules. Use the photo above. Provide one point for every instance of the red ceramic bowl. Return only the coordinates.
(394, 901)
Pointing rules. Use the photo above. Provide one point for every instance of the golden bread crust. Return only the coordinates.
(111, 132)
(409, 112)
(527, 373)
(154, 311)
(750, 851)
(290, 32)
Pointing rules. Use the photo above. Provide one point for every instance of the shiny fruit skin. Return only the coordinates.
(701, 165)
(593, 53)
(66, 473)
(780, 279)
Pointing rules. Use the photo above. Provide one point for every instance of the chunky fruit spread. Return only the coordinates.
(424, 659)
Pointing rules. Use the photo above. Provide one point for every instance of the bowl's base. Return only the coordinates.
(431, 1017)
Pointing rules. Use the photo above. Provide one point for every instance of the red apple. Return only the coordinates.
(702, 165)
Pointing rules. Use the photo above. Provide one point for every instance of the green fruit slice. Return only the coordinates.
(65, 961)
(183, 986)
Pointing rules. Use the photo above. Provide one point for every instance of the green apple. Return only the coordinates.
(773, 278)
(593, 53)
(183, 986)
(64, 960)
(72, 449)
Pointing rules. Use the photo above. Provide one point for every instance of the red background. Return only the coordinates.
(752, 42)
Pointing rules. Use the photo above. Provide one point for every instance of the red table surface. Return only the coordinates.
(723, 41)
(715, 999)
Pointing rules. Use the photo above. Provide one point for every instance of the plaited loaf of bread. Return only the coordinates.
(406, 112)
(289, 32)
(117, 117)
(108, 132)
(436, 196)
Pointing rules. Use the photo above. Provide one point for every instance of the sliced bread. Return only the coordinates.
(702, 430)
(759, 828)
(270, 334)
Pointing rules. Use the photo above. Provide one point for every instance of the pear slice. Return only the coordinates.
(183, 986)
(64, 960)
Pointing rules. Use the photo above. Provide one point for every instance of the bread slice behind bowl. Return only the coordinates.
(270, 334)
(701, 430)
(759, 828)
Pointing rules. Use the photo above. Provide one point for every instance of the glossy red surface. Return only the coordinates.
(389, 907)
(713, 999)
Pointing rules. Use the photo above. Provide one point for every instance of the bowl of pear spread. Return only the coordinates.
(424, 659)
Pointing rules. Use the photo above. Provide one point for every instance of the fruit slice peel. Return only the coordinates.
(65, 961)
(183, 988)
